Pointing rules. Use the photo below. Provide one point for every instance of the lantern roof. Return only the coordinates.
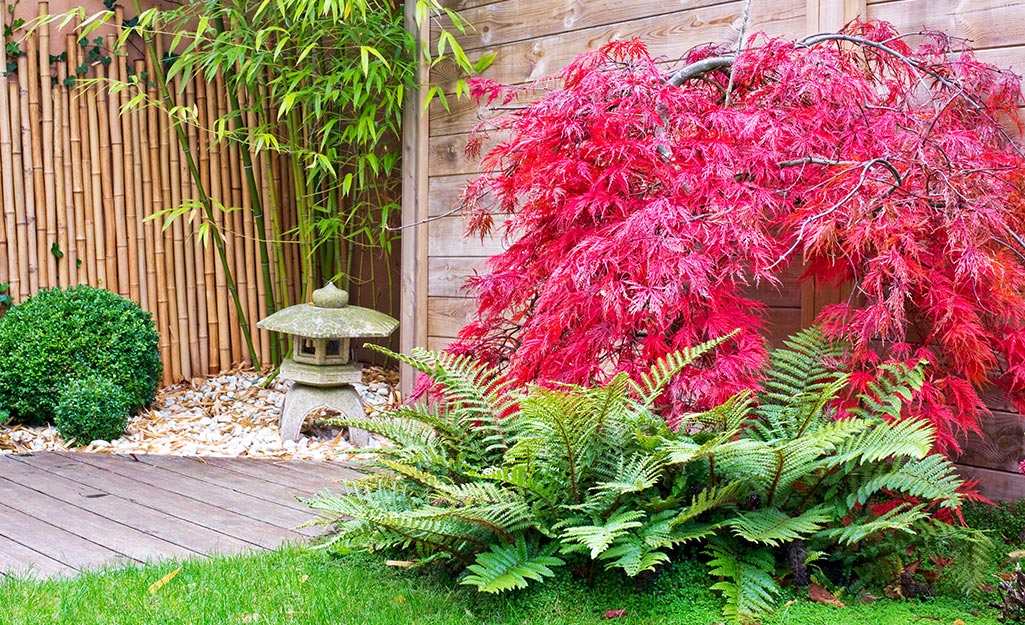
(330, 317)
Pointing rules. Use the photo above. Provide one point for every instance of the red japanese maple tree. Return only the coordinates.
(643, 201)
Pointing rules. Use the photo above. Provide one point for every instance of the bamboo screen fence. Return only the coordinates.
(80, 180)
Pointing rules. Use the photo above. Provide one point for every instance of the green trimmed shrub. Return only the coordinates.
(60, 335)
(91, 408)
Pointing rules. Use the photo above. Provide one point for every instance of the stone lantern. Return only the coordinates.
(320, 366)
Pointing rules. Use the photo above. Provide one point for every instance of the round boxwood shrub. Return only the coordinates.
(91, 408)
(61, 335)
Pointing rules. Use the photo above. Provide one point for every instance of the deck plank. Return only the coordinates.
(181, 532)
(93, 527)
(66, 511)
(188, 486)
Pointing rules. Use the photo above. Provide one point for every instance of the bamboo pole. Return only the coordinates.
(81, 193)
(28, 170)
(264, 300)
(113, 219)
(147, 260)
(62, 110)
(249, 238)
(216, 175)
(228, 227)
(137, 205)
(25, 232)
(13, 254)
(126, 269)
(32, 144)
(200, 344)
(61, 184)
(170, 252)
(212, 362)
(181, 256)
(47, 152)
(104, 277)
(163, 305)
(233, 218)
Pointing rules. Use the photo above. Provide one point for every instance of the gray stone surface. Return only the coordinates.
(302, 399)
(321, 375)
(328, 323)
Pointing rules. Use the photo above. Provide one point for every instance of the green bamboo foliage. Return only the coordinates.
(321, 83)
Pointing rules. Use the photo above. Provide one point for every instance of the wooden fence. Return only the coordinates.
(82, 183)
(536, 38)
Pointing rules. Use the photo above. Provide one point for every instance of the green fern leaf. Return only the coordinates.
(651, 384)
(508, 567)
(771, 526)
(748, 585)
(598, 538)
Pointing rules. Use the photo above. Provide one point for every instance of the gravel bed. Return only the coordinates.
(227, 415)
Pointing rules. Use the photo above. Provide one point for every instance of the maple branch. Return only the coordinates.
(736, 53)
(699, 69)
(812, 160)
(959, 90)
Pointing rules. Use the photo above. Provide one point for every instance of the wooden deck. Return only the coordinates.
(65, 512)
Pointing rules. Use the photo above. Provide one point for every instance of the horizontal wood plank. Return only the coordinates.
(668, 35)
(984, 23)
(1001, 446)
(447, 237)
(995, 485)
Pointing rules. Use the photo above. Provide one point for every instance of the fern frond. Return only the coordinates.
(654, 381)
(907, 438)
(932, 478)
(901, 518)
(478, 392)
(748, 585)
(598, 538)
(708, 499)
(771, 526)
(508, 567)
(892, 389)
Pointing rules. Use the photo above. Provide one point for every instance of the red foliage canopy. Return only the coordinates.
(642, 202)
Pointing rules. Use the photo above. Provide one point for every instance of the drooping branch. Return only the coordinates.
(699, 69)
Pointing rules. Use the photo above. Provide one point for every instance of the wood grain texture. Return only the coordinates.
(447, 237)
(63, 512)
(669, 35)
(984, 23)
(995, 485)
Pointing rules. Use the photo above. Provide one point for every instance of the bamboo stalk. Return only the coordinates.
(231, 190)
(216, 172)
(182, 281)
(13, 253)
(113, 219)
(63, 98)
(126, 269)
(99, 242)
(249, 240)
(47, 153)
(147, 260)
(200, 345)
(135, 199)
(156, 196)
(80, 170)
(265, 300)
(228, 217)
(61, 185)
(34, 159)
(28, 138)
(25, 233)
(209, 266)
(170, 252)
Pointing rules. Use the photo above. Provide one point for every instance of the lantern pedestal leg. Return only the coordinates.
(302, 399)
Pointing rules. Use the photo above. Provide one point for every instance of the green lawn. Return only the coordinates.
(312, 588)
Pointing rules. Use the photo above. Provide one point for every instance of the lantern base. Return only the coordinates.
(302, 399)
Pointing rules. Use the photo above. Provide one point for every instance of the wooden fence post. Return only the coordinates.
(827, 16)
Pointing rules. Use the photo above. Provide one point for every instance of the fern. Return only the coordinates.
(749, 587)
(507, 567)
(774, 527)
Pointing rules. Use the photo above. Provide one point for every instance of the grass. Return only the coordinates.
(293, 586)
